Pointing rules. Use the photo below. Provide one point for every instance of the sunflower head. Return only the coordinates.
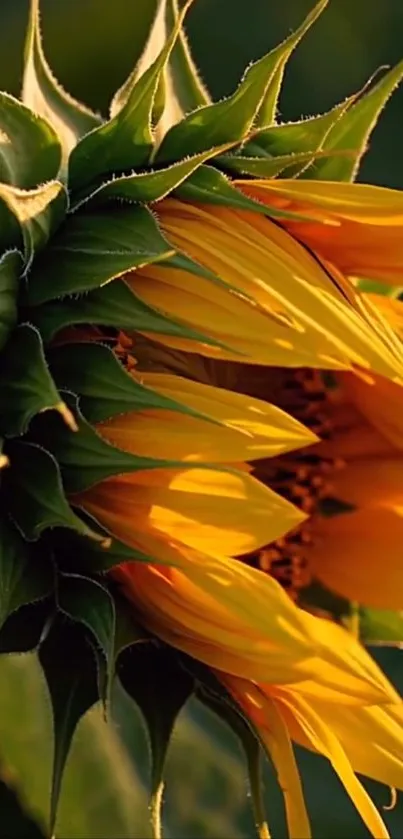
(163, 227)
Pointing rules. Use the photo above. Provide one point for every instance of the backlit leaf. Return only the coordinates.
(126, 140)
(26, 385)
(35, 494)
(353, 129)
(10, 270)
(231, 119)
(30, 152)
(94, 248)
(45, 95)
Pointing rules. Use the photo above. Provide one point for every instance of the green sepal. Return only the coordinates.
(31, 154)
(89, 602)
(230, 120)
(24, 577)
(380, 626)
(26, 385)
(210, 186)
(146, 187)
(126, 140)
(105, 389)
(113, 305)
(94, 248)
(270, 167)
(45, 95)
(185, 84)
(353, 129)
(69, 666)
(180, 89)
(23, 629)
(11, 265)
(279, 57)
(225, 708)
(225, 122)
(306, 135)
(78, 555)
(127, 631)
(85, 458)
(152, 676)
(32, 216)
(35, 494)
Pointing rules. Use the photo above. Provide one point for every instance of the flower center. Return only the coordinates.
(302, 477)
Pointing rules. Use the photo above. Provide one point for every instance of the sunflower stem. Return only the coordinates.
(155, 811)
(254, 771)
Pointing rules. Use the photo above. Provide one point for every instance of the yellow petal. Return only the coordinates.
(241, 428)
(207, 509)
(308, 726)
(371, 737)
(280, 307)
(343, 668)
(221, 612)
(391, 309)
(358, 227)
(239, 620)
(265, 717)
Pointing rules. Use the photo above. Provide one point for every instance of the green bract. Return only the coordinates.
(74, 189)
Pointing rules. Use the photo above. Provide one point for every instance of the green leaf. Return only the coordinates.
(307, 135)
(35, 494)
(36, 214)
(26, 385)
(70, 671)
(10, 269)
(270, 167)
(209, 186)
(148, 186)
(78, 555)
(30, 152)
(105, 389)
(180, 89)
(279, 57)
(183, 80)
(152, 676)
(126, 140)
(45, 96)
(88, 602)
(127, 631)
(94, 248)
(380, 625)
(86, 458)
(24, 578)
(113, 305)
(230, 120)
(353, 129)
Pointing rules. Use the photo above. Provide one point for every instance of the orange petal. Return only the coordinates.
(265, 717)
(358, 227)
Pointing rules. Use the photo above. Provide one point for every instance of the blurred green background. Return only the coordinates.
(91, 45)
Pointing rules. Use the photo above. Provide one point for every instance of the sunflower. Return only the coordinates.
(220, 602)
(211, 404)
